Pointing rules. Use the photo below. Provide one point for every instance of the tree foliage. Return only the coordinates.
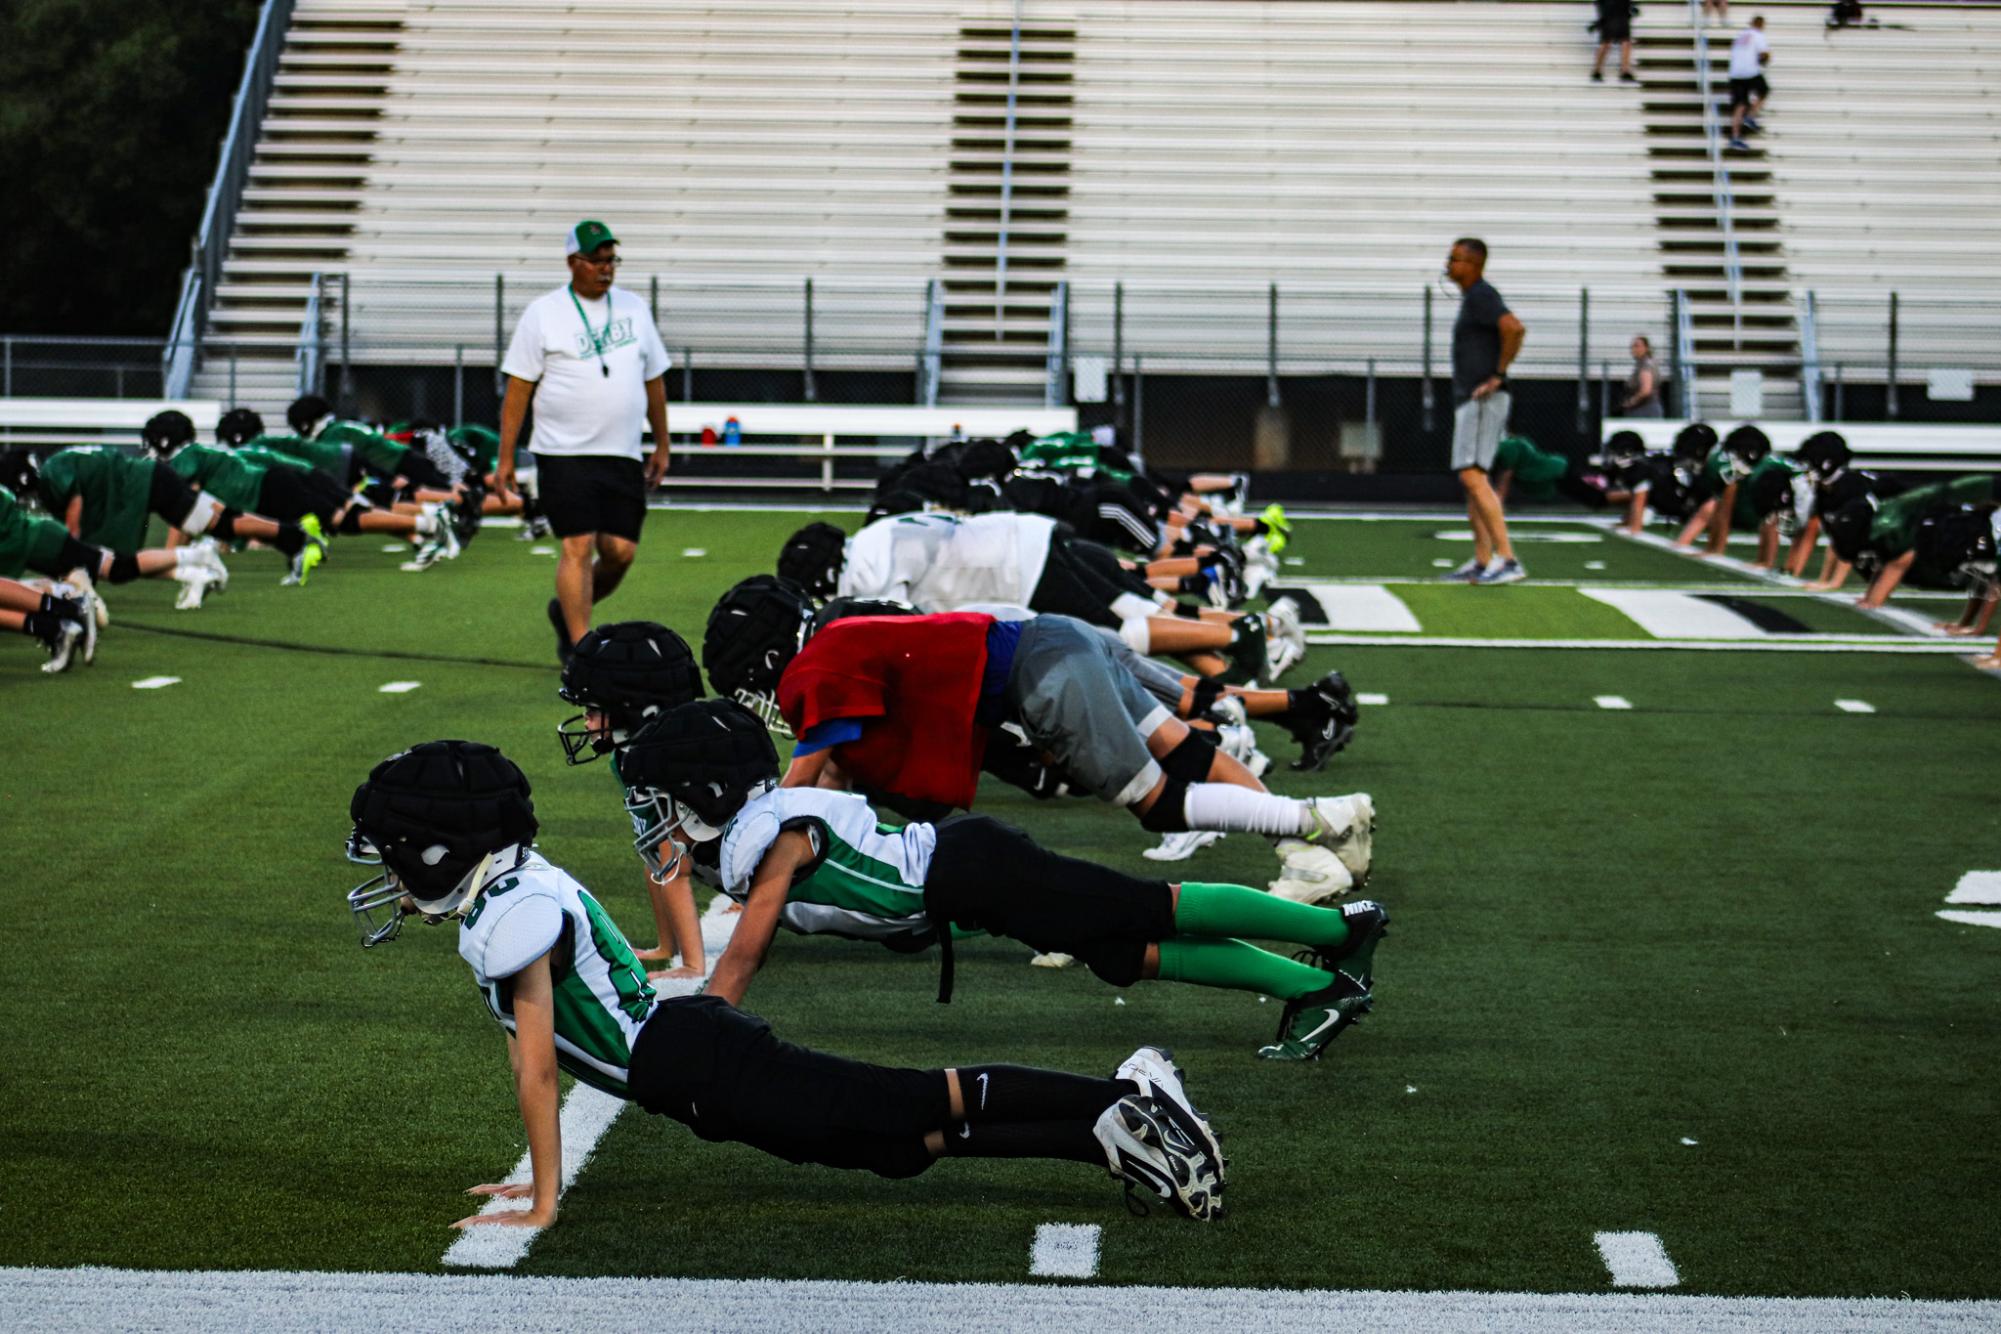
(111, 114)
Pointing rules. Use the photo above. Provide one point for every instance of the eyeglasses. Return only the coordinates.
(608, 262)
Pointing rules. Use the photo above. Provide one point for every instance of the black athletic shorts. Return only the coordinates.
(990, 876)
(1742, 90)
(1082, 579)
(1615, 20)
(169, 495)
(721, 1073)
(289, 494)
(592, 493)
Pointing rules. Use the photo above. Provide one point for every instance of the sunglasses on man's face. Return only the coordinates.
(608, 262)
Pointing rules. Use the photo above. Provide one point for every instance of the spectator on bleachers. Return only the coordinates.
(1485, 339)
(1643, 386)
(1615, 24)
(1749, 54)
(1721, 8)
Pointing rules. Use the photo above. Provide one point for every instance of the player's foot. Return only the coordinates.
(1465, 574)
(1347, 825)
(86, 615)
(209, 552)
(195, 577)
(1225, 574)
(1181, 846)
(1240, 743)
(429, 553)
(563, 641)
(1317, 1018)
(62, 646)
(1322, 720)
(1507, 571)
(309, 557)
(1158, 1077)
(1145, 1147)
(80, 579)
(1247, 653)
(1278, 527)
(1288, 635)
(1368, 922)
(467, 512)
(1309, 874)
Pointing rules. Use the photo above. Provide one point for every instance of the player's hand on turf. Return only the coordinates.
(510, 1218)
(675, 974)
(654, 954)
(504, 1190)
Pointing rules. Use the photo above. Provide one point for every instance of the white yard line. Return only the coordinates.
(1971, 918)
(1637, 1260)
(1977, 887)
(398, 687)
(1854, 706)
(156, 682)
(1612, 701)
(280, 1303)
(1064, 1250)
(1675, 615)
(1371, 698)
(1369, 608)
(1773, 644)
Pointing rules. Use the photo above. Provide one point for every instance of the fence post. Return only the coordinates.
(458, 383)
(7, 361)
(1139, 407)
(1271, 347)
(1369, 395)
(1605, 392)
(687, 375)
(811, 390)
(1584, 361)
(1840, 395)
(346, 377)
(499, 329)
(1425, 395)
(232, 374)
(1890, 402)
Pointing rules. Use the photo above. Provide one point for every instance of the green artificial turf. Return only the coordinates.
(1709, 918)
(1410, 548)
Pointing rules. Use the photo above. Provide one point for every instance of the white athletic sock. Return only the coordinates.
(1234, 809)
(1126, 606)
(427, 522)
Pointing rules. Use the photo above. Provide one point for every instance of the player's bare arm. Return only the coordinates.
(751, 940)
(532, 1052)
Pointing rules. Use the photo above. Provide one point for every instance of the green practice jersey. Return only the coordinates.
(268, 459)
(525, 908)
(28, 542)
(1744, 514)
(1895, 527)
(235, 482)
(482, 441)
(117, 492)
(377, 452)
(331, 459)
(867, 878)
(1535, 471)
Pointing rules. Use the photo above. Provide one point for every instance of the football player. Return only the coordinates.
(818, 861)
(33, 542)
(621, 675)
(1664, 482)
(1524, 470)
(452, 826)
(1878, 535)
(400, 467)
(106, 496)
(902, 707)
(940, 563)
(61, 620)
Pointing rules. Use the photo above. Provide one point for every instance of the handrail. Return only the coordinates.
(1810, 358)
(1056, 391)
(1684, 356)
(1712, 130)
(930, 364)
(232, 173)
(311, 341)
(1007, 177)
(177, 358)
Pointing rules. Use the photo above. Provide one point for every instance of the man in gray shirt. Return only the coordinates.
(1485, 339)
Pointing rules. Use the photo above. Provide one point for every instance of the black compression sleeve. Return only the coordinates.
(1017, 1093)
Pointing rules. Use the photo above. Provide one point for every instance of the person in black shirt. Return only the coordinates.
(1485, 339)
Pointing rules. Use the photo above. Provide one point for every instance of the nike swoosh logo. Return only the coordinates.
(965, 1130)
(983, 1092)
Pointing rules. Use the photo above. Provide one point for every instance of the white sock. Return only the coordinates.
(427, 523)
(1127, 606)
(1234, 809)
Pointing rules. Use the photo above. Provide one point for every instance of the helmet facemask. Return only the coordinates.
(387, 891)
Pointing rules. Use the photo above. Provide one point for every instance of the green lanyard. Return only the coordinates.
(597, 343)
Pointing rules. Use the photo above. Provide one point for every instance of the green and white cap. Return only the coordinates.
(587, 236)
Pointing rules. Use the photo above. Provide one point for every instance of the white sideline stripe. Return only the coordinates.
(1771, 644)
(1466, 535)
(1971, 918)
(391, 548)
(1612, 701)
(156, 682)
(587, 1113)
(1637, 1260)
(1444, 563)
(280, 1303)
(1977, 887)
(1364, 607)
(1064, 1250)
(1854, 706)
(541, 551)
(1897, 616)
(693, 553)
(1655, 585)
(399, 687)
(1369, 697)
(1668, 615)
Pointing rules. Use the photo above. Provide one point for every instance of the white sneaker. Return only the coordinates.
(1309, 873)
(443, 543)
(1052, 960)
(80, 580)
(77, 589)
(194, 580)
(63, 647)
(1146, 1145)
(1240, 743)
(1180, 847)
(1159, 1078)
(1347, 825)
(1288, 644)
(210, 555)
(1230, 708)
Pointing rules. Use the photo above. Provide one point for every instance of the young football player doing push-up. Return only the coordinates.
(452, 824)
(818, 861)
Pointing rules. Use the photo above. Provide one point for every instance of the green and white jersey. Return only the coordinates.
(866, 880)
(526, 908)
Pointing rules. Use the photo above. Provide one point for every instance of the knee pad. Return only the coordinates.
(203, 516)
(1119, 962)
(1189, 762)
(124, 568)
(77, 555)
(1187, 612)
(1168, 815)
(1128, 605)
(1136, 634)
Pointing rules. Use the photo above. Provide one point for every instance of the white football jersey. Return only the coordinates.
(525, 908)
(940, 562)
(869, 879)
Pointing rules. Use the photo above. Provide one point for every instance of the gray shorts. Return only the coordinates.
(1077, 701)
(1477, 425)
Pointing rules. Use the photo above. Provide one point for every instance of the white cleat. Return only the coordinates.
(93, 616)
(1347, 825)
(1310, 873)
(1146, 1145)
(1180, 847)
(80, 580)
(1288, 635)
(62, 649)
(1159, 1078)
(194, 582)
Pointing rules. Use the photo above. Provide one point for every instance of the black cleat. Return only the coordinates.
(1322, 720)
(563, 641)
(1368, 922)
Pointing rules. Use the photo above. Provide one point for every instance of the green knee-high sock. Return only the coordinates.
(1233, 910)
(1238, 966)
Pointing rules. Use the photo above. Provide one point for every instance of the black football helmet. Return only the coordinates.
(1848, 528)
(1771, 491)
(690, 770)
(165, 432)
(21, 472)
(307, 414)
(1622, 449)
(431, 816)
(1693, 442)
(239, 426)
(629, 672)
(753, 634)
(1825, 454)
(984, 460)
(1746, 446)
(812, 558)
(839, 609)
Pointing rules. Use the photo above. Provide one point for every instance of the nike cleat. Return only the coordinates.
(1317, 1018)
(1158, 1077)
(1279, 528)
(1181, 846)
(1147, 1147)
(1322, 720)
(1368, 922)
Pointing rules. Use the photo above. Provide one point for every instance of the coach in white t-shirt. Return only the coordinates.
(1749, 54)
(590, 358)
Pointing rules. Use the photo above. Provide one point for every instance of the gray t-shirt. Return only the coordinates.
(1476, 339)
